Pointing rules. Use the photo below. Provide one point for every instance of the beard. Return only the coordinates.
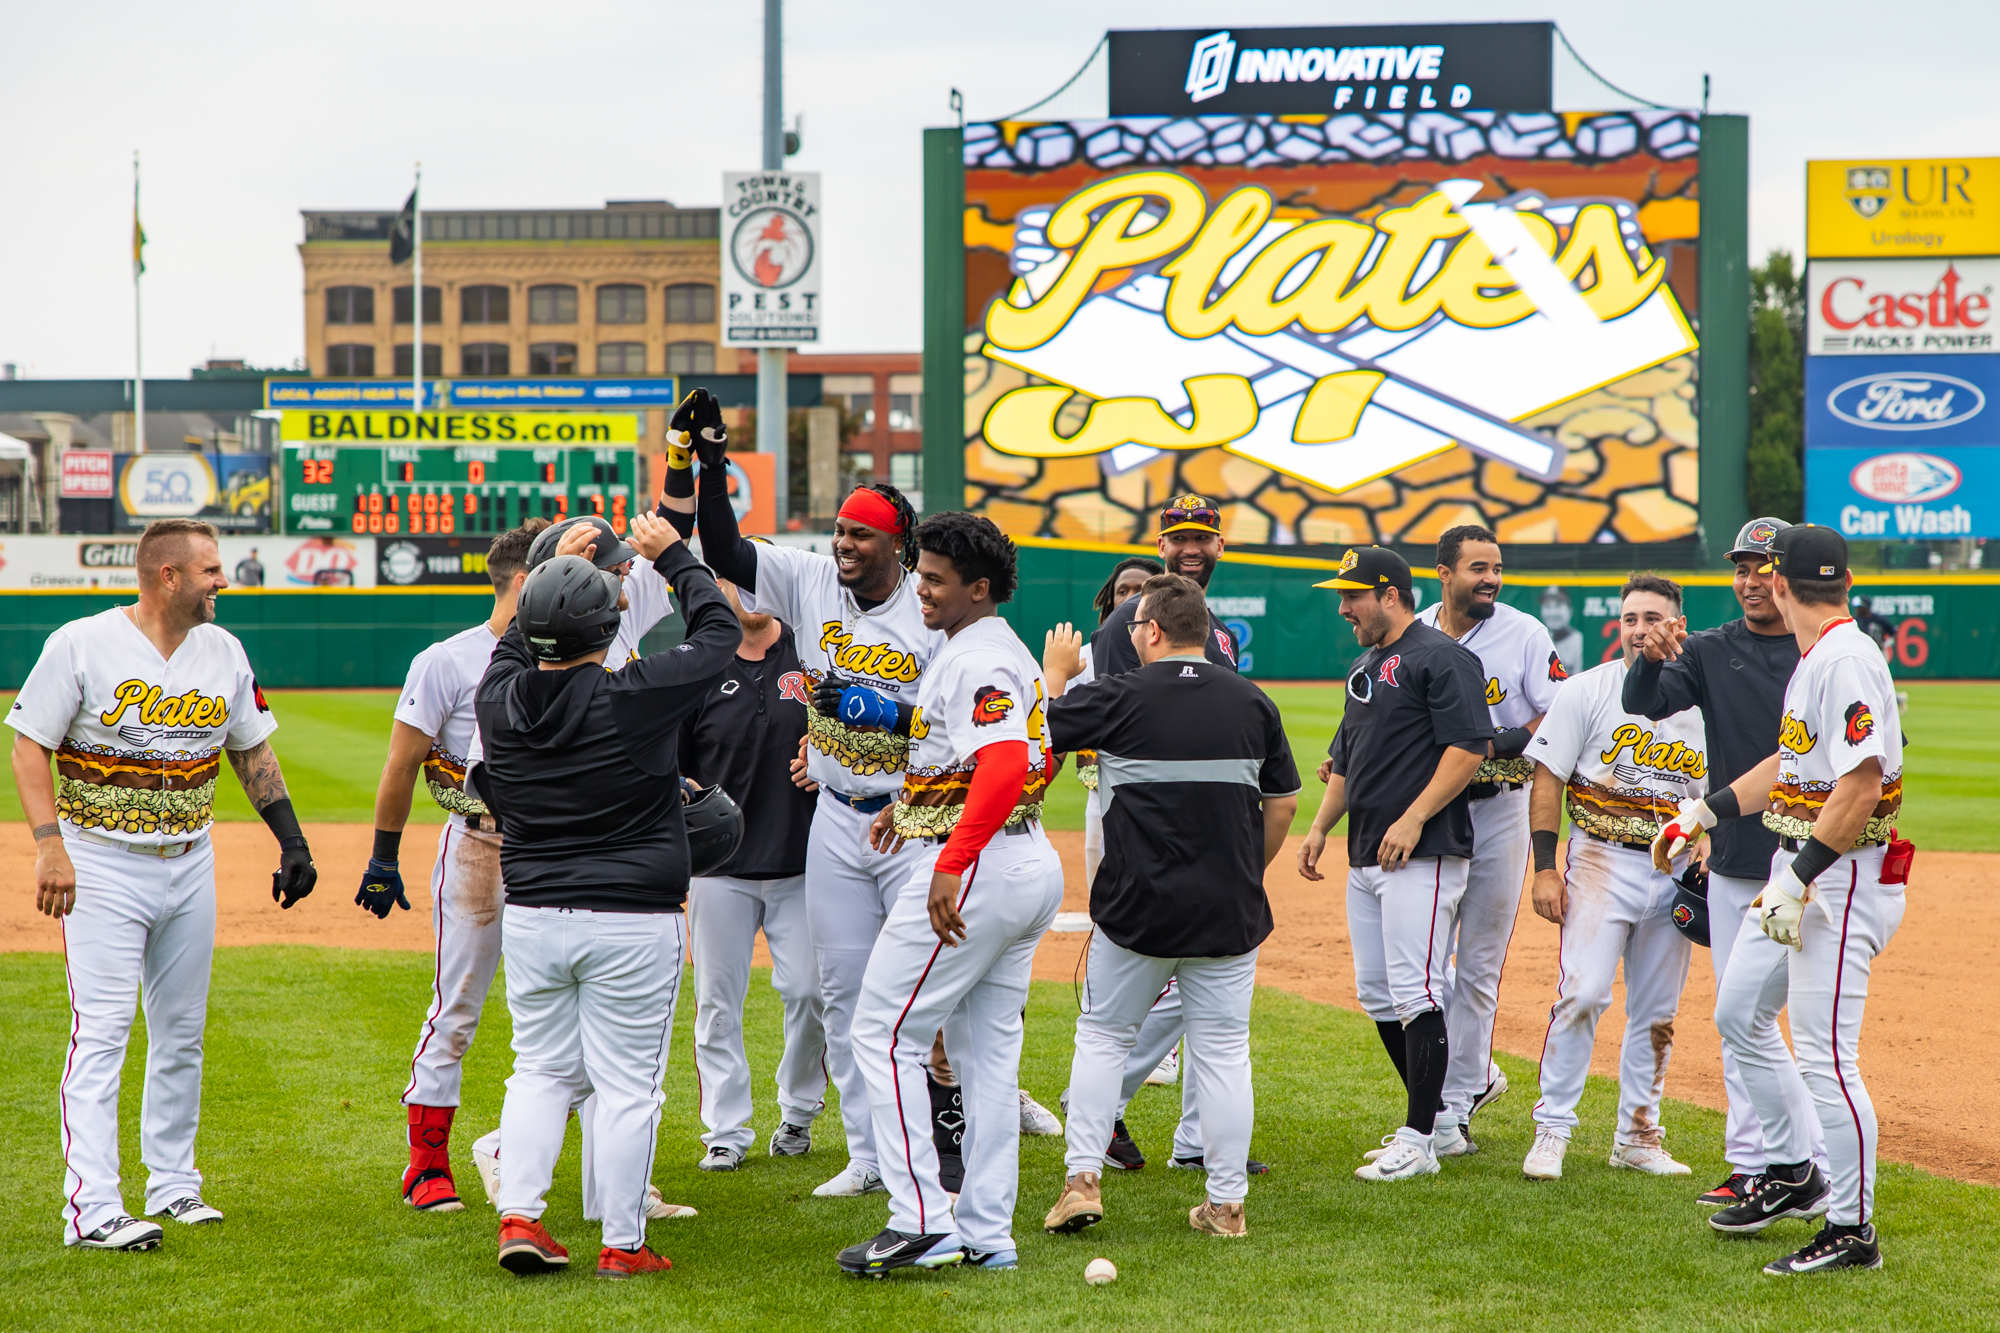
(753, 622)
(1478, 610)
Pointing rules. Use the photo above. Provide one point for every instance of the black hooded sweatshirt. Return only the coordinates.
(582, 766)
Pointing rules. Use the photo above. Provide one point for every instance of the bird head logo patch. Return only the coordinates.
(990, 704)
(1860, 723)
(1556, 669)
(1683, 914)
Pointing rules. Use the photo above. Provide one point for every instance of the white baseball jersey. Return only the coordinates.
(886, 649)
(437, 700)
(1840, 708)
(1626, 775)
(1086, 760)
(139, 739)
(982, 687)
(1523, 674)
(648, 601)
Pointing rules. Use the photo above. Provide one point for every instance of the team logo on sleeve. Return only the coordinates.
(258, 691)
(792, 685)
(990, 704)
(1556, 670)
(1494, 692)
(1387, 675)
(1860, 722)
(1793, 735)
(1228, 648)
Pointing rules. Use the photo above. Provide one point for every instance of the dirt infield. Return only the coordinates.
(1930, 1047)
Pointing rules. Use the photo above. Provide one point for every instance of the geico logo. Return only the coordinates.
(1660, 756)
(1848, 304)
(1793, 736)
(866, 659)
(192, 709)
(1331, 297)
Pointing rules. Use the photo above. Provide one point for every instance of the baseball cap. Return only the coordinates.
(1191, 513)
(1808, 553)
(1756, 536)
(1365, 567)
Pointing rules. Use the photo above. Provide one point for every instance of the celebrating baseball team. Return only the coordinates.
(849, 753)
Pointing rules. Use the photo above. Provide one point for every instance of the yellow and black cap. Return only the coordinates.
(1365, 567)
(1808, 553)
(1191, 513)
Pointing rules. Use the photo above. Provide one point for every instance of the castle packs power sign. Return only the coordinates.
(1889, 207)
(1858, 307)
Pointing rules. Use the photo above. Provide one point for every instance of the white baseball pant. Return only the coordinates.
(1619, 908)
(850, 890)
(724, 915)
(1400, 925)
(466, 898)
(974, 993)
(1093, 837)
(1743, 1130)
(1160, 1033)
(141, 925)
(1215, 1004)
(1485, 926)
(592, 997)
(1827, 984)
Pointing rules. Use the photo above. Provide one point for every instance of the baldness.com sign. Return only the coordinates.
(467, 427)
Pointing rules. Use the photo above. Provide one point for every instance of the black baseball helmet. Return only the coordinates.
(714, 829)
(1756, 536)
(1690, 912)
(568, 608)
(611, 549)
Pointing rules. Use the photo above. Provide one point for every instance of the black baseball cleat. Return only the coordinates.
(1835, 1246)
(898, 1249)
(1123, 1154)
(1773, 1199)
(1251, 1166)
(1740, 1186)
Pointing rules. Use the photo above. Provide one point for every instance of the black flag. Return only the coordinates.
(402, 236)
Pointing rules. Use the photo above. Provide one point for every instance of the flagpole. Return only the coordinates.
(138, 343)
(417, 295)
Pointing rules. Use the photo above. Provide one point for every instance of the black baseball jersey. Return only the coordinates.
(1737, 678)
(745, 738)
(1112, 652)
(1187, 752)
(1407, 702)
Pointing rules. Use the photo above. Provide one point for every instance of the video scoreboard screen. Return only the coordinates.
(451, 489)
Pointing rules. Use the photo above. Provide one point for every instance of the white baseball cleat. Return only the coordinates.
(659, 1209)
(1388, 1141)
(1545, 1159)
(1037, 1118)
(721, 1158)
(1645, 1157)
(189, 1209)
(124, 1233)
(1167, 1071)
(851, 1183)
(1451, 1140)
(1408, 1156)
(487, 1164)
(789, 1140)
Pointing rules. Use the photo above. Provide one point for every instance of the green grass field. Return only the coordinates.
(332, 744)
(301, 1145)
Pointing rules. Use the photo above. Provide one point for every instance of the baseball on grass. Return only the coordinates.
(1100, 1271)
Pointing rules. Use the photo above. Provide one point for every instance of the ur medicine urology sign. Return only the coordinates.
(1328, 348)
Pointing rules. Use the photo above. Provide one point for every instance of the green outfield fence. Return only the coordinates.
(1938, 627)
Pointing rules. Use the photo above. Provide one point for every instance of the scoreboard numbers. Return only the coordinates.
(451, 490)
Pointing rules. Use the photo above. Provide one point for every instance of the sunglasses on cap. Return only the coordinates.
(1206, 518)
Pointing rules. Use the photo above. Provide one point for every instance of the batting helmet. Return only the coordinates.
(714, 829)
(1690, 912)
(1756, 536)
(568, 608)
(611, 549)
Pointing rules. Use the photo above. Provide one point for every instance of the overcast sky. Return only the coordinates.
(247, 112)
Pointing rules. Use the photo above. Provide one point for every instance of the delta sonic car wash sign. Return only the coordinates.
(1903, 447)
(1349, 328)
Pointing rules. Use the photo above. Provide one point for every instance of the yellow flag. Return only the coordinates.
(138, 244)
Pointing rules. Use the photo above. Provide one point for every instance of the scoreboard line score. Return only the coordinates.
(451, 490)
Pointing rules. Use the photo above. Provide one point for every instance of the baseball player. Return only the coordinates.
(864, 645)
(957, 949)
(1833, 901)
(581, 766)
(137, 705)
(1621, 777)
(1735, 674)
(1416, 727)
(1522, 673)
(1200, 790)
(744, 738)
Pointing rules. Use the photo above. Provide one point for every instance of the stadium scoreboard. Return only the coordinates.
(451, 489)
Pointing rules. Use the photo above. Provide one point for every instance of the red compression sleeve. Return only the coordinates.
(997, 777)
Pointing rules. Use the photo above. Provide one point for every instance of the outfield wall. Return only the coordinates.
(1944, 626)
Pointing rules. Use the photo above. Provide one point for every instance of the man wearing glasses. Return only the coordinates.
(1190, 543)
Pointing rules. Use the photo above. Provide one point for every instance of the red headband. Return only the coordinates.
(870, 507)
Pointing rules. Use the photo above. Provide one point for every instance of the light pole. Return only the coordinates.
(772, 416)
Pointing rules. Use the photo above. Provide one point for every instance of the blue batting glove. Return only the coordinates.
(863, 707)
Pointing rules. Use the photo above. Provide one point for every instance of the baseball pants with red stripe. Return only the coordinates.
(1620, 908)
(466, 899)
(914, 987)
(1400, 923)
(142, 924)
(1754, 1009)
(1486, 914)
(1851, 919)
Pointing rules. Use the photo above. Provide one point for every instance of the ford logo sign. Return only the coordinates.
(1906, 401)
(1905, 478)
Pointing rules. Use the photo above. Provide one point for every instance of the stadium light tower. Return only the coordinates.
(772, 417)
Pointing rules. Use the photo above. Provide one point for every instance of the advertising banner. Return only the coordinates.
(84, 564)
(231, 491)
(1900, 307)
(88, 474)
(469, 427)
(349, 393)
(1917, 208)
(404, 562)
(1351, 328)
(565, 393)
(1904, 447)
(770, 258)
(1404, 67)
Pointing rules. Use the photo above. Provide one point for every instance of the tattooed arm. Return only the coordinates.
(257, 769)
(263, 782)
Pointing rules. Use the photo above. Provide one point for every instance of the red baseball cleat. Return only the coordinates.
(630, 1263)
(527, 1248)
(431, 1191)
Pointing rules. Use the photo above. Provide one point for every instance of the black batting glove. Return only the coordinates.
(826, 696)
(381, 889)
(296, 875)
